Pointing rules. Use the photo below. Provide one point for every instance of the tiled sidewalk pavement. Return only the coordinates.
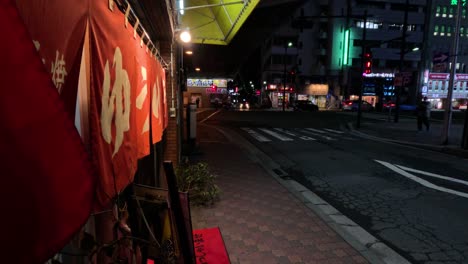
(261, 222)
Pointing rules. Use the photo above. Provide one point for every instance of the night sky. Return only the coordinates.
(242, 54)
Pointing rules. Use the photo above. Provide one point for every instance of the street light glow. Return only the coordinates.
(415, 48)
(197, 69)
(185, 36)
(181, 6)
(290, 44)
(189, 52)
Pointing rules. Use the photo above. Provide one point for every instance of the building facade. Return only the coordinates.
(441, 28)
(330, 43)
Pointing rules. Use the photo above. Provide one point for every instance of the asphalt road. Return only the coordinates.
(414, 200)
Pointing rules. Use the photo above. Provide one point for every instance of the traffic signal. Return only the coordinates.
(367, 62)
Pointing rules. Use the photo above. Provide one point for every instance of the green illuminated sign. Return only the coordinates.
(346, 47)
(455, 2)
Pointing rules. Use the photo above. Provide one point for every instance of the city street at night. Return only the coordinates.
(411, 199)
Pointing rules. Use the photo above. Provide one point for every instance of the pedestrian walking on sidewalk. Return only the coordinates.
(424, 113)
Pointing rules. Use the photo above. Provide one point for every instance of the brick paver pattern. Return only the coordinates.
(261, 222)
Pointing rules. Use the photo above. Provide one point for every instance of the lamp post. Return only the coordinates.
(453, 71)
(402, 57)
(363, 50)
(286, 45)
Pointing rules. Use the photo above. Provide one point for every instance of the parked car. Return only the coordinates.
(305, 106)
(403, 107)
(244, 104)
(389, 105)
(461, 106)
(352, 105)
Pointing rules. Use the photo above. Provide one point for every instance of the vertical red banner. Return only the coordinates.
(48, 184)
(57, 29)
(120, 98)
(143, 69)
(158, 102)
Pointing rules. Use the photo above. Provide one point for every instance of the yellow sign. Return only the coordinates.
(317, 89)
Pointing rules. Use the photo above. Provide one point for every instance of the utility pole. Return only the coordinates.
(284, 76)
(402, 58)
(363, 51)
(464, 143)
(426, 47)
(453, 71)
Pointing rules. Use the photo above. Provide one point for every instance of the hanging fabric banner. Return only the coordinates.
(57, 29)
(143, 71)
(48, 184)
(121, 76)
(158, 102)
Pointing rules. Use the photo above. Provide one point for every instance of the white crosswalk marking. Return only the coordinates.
(306, 138)
(255, 135)
(285, 131)
(276, 135)
(320, 134)
(316, 130)
(333, 131)
(294, 135)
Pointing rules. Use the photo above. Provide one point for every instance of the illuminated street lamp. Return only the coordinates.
(185, 36)
(286, 46)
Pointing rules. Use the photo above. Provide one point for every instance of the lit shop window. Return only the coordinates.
(444, 11)
(369, 24)
(436, 30)
(437, 13)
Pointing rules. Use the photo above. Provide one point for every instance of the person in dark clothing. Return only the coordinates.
(424, 113)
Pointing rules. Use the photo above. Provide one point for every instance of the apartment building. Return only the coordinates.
(329, 38)
(438, 59)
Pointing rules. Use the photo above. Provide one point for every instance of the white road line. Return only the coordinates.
(209, 115)
(421, 181)
(316, 130)
(285, 131)
(316, 134)
(306, 138)
(294, 135)
(255, 135)
(433, 175)
(333, 131)
(276, 135)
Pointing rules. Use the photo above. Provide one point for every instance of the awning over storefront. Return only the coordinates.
(215, 21)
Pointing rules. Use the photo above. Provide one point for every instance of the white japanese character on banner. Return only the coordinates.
(155, 101)
(164, 95)
(142, 98)
(38, 46)
(118, 99)
(58, 71)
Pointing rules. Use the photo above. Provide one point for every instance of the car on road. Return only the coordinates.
(305, 106)
(461, 106)
(403, 107)
(352, 105)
